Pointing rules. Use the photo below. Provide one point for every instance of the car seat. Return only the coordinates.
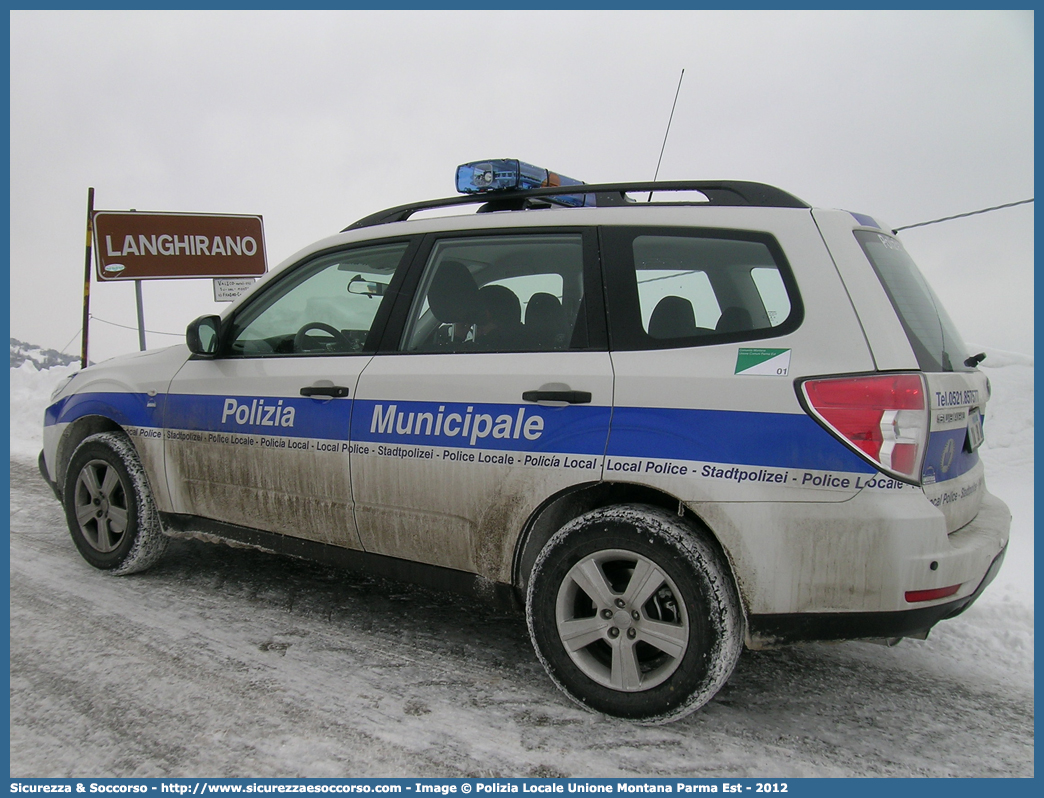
(673, 317)
(545, 321)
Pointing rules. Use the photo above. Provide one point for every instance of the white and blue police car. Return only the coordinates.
(670, 427)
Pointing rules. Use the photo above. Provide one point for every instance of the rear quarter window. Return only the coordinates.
(682, 287)
(933, 336)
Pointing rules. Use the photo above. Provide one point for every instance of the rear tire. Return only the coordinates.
(634, 614)
(109, 507)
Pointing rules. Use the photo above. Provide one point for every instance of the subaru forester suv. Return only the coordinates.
(669, 429)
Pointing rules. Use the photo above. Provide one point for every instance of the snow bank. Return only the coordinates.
(1009, 415)
(1008, 456)
(31, 391)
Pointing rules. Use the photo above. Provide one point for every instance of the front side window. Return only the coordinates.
(506, 293)
(325, 306)
(670, 288)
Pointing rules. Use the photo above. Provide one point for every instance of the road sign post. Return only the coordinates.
(87, 280)
(141, 315)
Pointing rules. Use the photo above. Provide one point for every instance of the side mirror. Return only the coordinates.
(202, 335)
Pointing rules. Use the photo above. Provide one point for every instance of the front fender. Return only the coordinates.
(125, 409)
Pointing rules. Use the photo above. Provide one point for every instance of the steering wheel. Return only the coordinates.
(302, 343)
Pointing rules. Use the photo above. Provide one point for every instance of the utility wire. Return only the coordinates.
(126, 327)
(962, 215)
(75, 336)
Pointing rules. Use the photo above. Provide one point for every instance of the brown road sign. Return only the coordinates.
(149, 246)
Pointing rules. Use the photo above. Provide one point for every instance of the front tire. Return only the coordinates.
(634, 614)
(109, 507)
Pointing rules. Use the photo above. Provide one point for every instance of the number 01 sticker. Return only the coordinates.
(763, 362)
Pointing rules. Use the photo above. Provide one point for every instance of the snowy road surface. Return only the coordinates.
(230, 662)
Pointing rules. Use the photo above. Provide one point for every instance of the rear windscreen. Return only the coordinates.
(934, 339)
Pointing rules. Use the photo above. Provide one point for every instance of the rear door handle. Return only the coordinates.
(334, 391)
(569, 397)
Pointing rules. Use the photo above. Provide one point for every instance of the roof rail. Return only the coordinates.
(717, 192)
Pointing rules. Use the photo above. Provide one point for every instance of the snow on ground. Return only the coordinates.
(231, 662)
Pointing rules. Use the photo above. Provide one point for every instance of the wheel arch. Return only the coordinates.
(560, 509)
(74, 435)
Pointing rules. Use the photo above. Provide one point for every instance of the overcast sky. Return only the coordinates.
(315, 119)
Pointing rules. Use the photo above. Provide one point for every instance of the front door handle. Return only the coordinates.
(569, 397)
(334, 391)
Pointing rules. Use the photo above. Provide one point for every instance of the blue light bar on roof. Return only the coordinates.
(510, 174)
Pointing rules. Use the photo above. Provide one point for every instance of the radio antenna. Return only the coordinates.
(668, 131)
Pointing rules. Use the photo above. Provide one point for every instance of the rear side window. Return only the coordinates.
(934, 338)
(673, 288)
(500, 293)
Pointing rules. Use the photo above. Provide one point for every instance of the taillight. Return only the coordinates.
(883, 417)
(915, 596)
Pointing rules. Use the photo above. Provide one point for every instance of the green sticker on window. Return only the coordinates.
(763, 362)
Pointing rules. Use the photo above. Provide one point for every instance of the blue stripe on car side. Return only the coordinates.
(292, 417)
(126, 409)
(781, 440)
(573, 429)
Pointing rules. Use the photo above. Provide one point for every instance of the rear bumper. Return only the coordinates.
(766, 631)
(978, 548)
